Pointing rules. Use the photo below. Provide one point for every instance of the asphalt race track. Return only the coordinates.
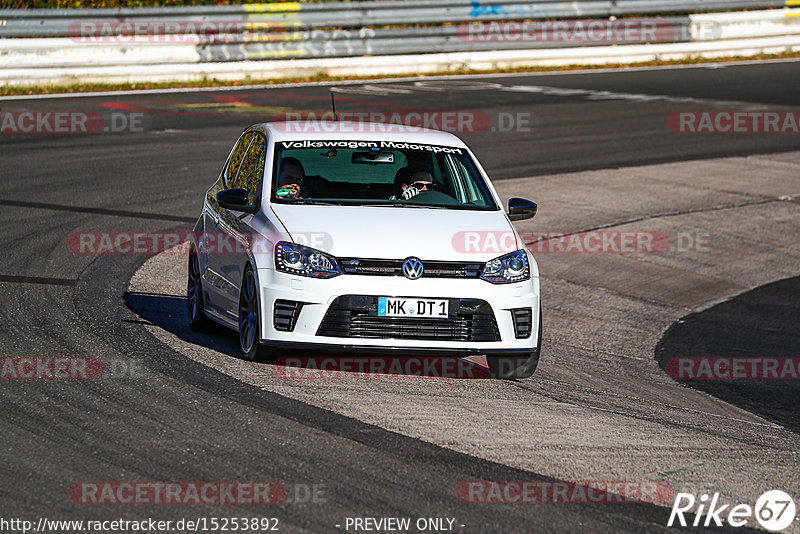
(597, 153)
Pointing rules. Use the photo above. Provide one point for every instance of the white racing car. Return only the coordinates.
(354, 237)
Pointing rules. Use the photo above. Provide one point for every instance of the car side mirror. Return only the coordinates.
(520, 209)
(235, 199)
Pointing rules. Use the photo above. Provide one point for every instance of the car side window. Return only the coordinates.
(251, 171)
(235, 161)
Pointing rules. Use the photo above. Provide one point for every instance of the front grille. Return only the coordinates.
(523, 320)
(433, 269)
(285, 314)
(357, 316)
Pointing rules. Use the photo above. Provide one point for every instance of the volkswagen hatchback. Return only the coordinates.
(364, 238)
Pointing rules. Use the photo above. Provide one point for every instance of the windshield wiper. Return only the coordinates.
(403, 205)
(315, 202)
(385, 204)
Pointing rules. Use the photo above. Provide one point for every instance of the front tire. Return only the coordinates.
(249, 320)
(515, 365)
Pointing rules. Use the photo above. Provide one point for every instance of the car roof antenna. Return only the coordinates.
(333, 105)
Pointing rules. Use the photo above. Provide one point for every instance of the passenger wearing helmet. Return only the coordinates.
(290, 178)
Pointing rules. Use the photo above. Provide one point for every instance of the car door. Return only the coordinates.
(236, 226)
(216, 241)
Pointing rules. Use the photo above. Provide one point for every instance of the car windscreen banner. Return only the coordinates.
(369, 145)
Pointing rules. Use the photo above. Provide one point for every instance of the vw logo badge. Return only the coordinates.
(412, 268)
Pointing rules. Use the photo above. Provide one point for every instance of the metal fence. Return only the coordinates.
(347, 15)
(62, 45)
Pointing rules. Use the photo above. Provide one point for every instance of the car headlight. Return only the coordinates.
(507, 269)
(297, 259)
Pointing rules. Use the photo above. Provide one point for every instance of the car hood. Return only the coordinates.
(397, 233)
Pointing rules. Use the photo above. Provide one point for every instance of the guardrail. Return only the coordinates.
(124, 41)
(309, 16)
(149, 47)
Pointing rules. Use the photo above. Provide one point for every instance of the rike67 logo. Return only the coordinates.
(774, 511)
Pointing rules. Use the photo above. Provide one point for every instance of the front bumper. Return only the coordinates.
(318, 295)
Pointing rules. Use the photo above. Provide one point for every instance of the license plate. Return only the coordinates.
(394, 307)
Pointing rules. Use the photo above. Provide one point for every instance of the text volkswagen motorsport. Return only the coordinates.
(343, 237)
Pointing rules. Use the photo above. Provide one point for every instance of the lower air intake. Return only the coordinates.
(284, 317)
(523, 321)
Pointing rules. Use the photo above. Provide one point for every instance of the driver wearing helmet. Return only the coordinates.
(414, 183)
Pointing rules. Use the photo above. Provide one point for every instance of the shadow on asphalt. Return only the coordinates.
(762, 323)
(168, 312)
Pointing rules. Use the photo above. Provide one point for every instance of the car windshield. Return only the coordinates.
(378, 173)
